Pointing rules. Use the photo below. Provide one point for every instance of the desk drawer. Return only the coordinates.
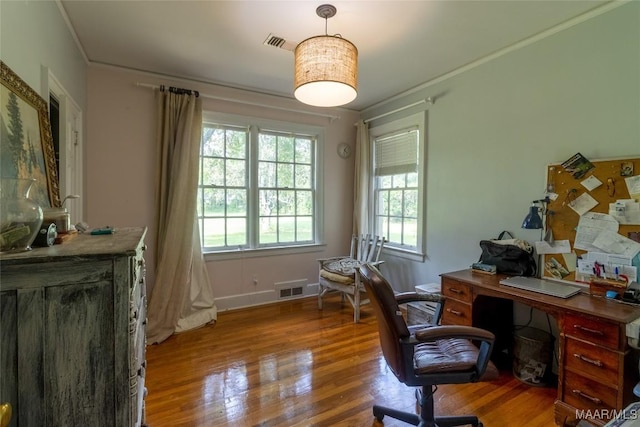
(583, 393)
(456, 290)
(593, 330)
(596, 362)
(456, 313)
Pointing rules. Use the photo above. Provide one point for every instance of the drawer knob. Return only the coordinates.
(456, 312)
(588, 360)
(588, 330)
(586, 396)
(455, 291)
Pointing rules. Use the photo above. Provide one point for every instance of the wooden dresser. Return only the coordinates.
(72, 332)
(596, 368)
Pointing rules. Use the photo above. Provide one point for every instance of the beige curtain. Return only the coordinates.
(362, 180)
(182, 297)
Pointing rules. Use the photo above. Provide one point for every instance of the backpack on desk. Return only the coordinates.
(510, 256)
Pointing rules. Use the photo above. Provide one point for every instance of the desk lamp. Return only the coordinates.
(533, 220)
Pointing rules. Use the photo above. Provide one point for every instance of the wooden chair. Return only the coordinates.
(341, 273)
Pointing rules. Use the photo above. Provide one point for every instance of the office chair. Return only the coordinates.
(426, 356)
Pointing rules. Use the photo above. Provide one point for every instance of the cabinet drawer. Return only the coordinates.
(593, 361)
(456, 313)
(583, 393)
(594, 330)
(456, 290)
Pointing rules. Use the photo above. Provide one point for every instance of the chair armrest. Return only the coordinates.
(405, 297)
(454, 331)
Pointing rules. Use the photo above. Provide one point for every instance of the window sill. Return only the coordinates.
(404, 253)
(262, 252)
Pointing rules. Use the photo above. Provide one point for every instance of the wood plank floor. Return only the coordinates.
(289, 364)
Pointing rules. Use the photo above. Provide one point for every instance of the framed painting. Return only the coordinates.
(26, 142)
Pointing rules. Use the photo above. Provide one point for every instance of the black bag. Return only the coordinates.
(513, 256)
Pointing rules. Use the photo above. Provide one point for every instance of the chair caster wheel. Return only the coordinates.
(378, 415)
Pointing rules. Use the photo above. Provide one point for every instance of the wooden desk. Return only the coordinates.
(596, 368)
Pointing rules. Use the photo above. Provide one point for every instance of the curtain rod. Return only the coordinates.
(255, 104)
(428, 101)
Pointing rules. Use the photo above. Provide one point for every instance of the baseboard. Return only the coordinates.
(254, 299)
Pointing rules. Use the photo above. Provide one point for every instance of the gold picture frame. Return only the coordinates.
(26, 141)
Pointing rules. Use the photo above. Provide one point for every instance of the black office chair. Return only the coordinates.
(426, 356)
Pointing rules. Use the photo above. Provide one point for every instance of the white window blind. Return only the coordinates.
(396, 153)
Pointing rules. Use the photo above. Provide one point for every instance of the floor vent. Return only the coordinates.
(292, 289)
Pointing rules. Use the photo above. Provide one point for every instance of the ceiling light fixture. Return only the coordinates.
(326, 67)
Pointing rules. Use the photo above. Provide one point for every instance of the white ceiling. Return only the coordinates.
(401, 44)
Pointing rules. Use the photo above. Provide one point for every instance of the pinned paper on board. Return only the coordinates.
(625, 211)
(583, 204)
(591, 183)
(633, 185)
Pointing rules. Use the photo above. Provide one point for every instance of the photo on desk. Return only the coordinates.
(555, 269)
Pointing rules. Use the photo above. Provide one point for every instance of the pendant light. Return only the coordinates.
(326, 67)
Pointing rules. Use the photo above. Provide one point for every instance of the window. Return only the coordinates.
(257, 185)
(398, 174)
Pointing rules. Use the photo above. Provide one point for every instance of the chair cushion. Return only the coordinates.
(445, 355)
(334, 277)
(343, 266)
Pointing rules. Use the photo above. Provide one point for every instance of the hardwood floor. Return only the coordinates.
(289, 364)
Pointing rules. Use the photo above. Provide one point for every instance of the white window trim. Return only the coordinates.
(416, 120)
(267, 124)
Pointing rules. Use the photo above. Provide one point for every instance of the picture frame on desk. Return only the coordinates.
(26, 145)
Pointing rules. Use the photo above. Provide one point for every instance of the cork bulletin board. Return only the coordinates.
(572, 184)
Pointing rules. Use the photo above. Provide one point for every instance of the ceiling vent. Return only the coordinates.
(275, 41)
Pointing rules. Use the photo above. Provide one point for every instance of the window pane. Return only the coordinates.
(395, 230)
(304, 203)
(285, 176)
(303, 151)
(286, 203)
(286, 229)
(303, 176)
(267, 175)
(395, 203)
(285, 149)
(410, 232)
(267, 147)
(236, 173)
(411, 203)
(268, 229)
(304, 229)
(214, 202)
(236, 144)
(236, 203)
(212, 171)
(268, 202)
(214, 145)
(236, 232)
